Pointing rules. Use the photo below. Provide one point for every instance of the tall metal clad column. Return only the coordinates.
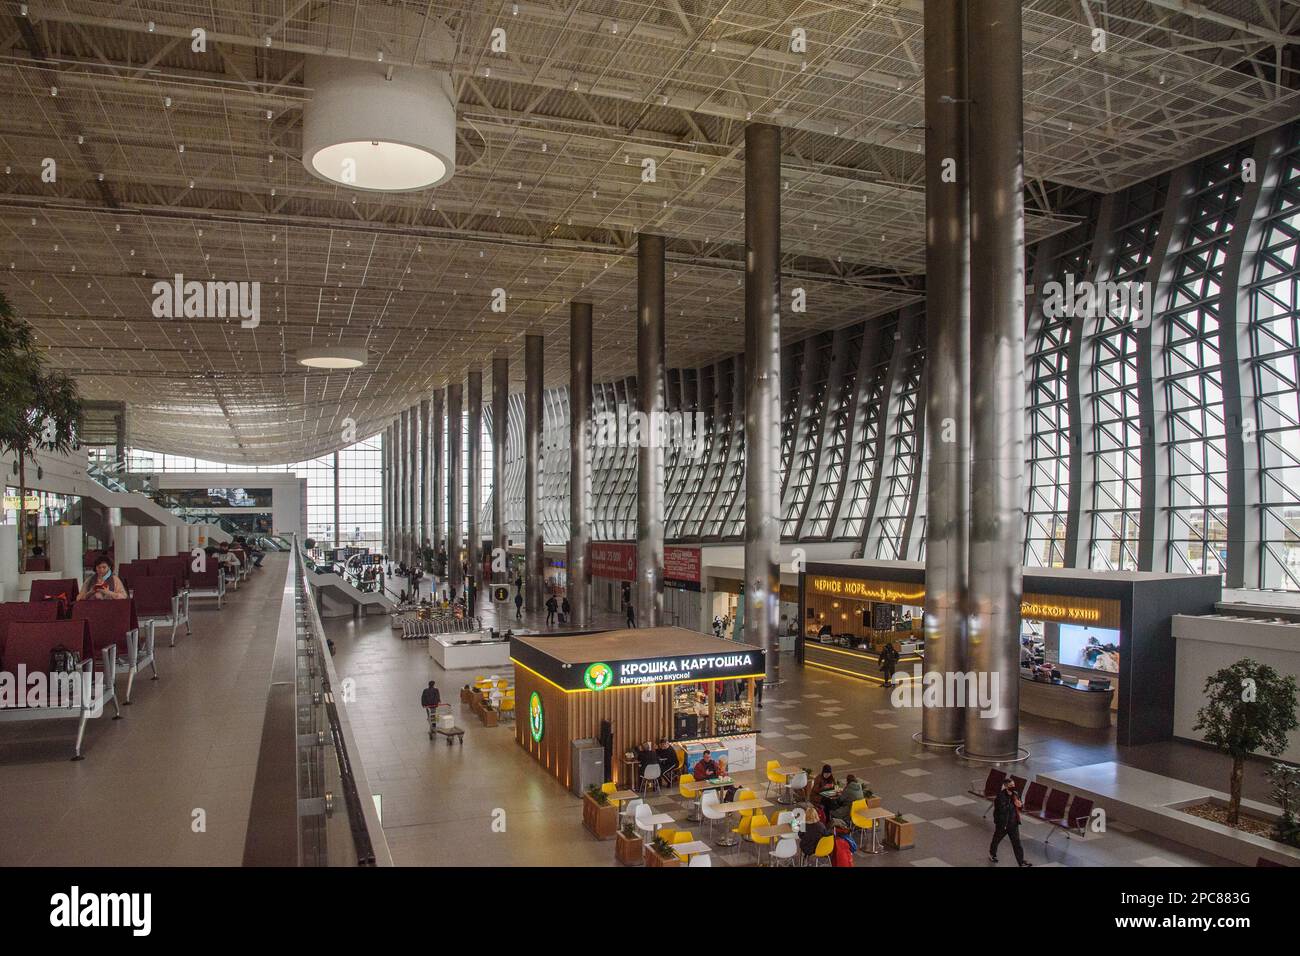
(386, 457)
(475, 482)
(997, 334)
(534, 547)
(338, 536)
(947, 323)
(413, 482)
(403, 466)
(455, 497)
(650, 456)
(436, 493)
(425, 535)
(763, 392)
(579, 566)
(500, 434)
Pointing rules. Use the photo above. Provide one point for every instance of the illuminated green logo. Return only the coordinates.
(598, 676)
(536, 723)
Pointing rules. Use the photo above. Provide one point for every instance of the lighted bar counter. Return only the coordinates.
(632, 686)
(862, 661)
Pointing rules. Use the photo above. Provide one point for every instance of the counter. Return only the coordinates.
(854, 662)
(467, 650)
(1074, 705)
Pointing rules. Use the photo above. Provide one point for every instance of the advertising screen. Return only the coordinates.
(1094, 648)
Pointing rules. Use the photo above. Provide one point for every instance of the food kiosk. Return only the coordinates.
(1092, 641)
(625, 687)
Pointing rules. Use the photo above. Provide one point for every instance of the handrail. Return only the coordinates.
(309, 752)
(370, 847)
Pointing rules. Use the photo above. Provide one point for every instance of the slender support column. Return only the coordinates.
(413, 482)
(579, 564)
(534, 547)
(436, 492)
(386, 495)
(455, 497)
(403, 467)
(947, 326)
(650, 454)
(997, 335)
(338, 535)
(763, 392)
(500, 435)
(475, 483)
(425, 536)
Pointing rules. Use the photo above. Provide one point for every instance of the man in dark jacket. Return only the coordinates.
(552, 606)
(1006, 822)
(888, 662)
(430, 697)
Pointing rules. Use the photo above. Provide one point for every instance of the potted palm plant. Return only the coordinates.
(599, 816)
(629, 848)
(660, 853)
(873, 801)
(900, 834)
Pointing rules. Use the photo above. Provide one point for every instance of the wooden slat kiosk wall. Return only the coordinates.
(572, 711)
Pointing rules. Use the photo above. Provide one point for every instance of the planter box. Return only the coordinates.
(602, 822)
(490, 718)
(652, 858)
(629, 850)
(899, 836)
(466, 695)
(873, 802)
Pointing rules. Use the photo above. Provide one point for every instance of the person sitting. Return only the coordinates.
(823, 781)
(839, 806)
(706, 768)
(646, 755)
(430, 697)
(103, 584)
(667, 759)
(824, 632)
(812, 834)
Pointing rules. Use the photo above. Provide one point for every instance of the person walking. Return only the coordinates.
(565, 610)
(519, 605)
(1006, 822)
(631, 615)
(552, 606)
(471, 596)
(888, 661)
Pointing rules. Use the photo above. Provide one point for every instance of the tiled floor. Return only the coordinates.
(487, 803)
(188, 742)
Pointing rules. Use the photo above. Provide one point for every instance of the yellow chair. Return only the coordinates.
(507, 708)
(773, 777)
(682, 836)
(666, 835)
(759, 819)
(610, 787)
(861, 824)
(824, 848)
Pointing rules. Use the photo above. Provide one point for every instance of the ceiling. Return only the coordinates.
(173, 161)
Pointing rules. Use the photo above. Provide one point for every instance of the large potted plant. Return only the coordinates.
(660, 853)
(1286, 791)
(899, 832)
(599, 816)
(1249, 707)
(629, 848)
(39, 408)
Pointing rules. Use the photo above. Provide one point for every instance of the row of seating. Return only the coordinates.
(1066, 812)
(112, 638)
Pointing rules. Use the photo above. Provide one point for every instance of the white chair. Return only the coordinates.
(786, 851)
(798, 782)
(629, 810)
(713, 808)
(650, 777)
(649, 821)
(701, 859)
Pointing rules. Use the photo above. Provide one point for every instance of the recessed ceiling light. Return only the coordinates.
(332, 357)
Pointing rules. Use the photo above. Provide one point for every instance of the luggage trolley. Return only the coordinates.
(441, 722)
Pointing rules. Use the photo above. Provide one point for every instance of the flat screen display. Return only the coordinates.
(1092, 648)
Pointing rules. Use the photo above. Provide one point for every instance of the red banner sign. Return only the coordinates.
(682, 568)
(613, 559)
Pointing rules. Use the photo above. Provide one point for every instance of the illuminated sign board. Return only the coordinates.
(599, 676)
(1058, 608)
(536, 720)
